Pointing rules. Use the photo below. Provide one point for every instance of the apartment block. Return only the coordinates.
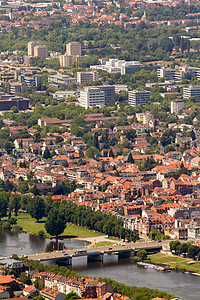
(92, 97)
(73, 48)
(67, 60)
(31, 46)
(41, 51)
(144, 117)
(138, 97)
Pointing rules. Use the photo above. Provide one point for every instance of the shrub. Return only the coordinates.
(6, 225)
(12, 220)
(41, 233)
(17, 228)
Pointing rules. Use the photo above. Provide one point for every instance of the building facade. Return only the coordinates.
(92, 97)
(138, 97)
(192, 92)
(83, 77)
(73, 48)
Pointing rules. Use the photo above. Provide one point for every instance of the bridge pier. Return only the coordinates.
(125, 254)
(66, 261)
(95, 257)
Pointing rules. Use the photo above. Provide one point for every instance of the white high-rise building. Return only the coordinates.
(138, 97)
(92, 97)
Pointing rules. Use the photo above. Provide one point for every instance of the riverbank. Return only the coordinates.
(176, 262)
(30, 226)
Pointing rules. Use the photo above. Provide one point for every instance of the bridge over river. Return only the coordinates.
(97, 253)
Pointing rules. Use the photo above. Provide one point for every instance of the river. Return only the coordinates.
(23, 243)
(182, 285)
(125, 271)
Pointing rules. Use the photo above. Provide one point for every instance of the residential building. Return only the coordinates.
(61, 80)
(138, 97)
(92, 97)
(67, 61)
(192, 92)
(73, 48)
(83, 77)
(50, 294)
(41, 51)
(31, 46)
(176, 106)
(144, 117)
(28, 60)
(15, 88)
(194, 233)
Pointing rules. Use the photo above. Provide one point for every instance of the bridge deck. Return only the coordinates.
(56, 255)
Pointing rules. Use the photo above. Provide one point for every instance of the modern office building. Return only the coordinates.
(83, 77)
(61, 80)
(8, 101)
(138, 97)
(92, 97)
(176, 106)
(73, 48)
(167, 73)
(31, 46)
(41, 51)
(109, 91)
(192, 92)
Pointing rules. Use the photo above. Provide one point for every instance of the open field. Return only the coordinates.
(72, 231)
(175, 262)
(100, 244)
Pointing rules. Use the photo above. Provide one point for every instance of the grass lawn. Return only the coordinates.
(72, 231)
(175, 262)
(100, 244)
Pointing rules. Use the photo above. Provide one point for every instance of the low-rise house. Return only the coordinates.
(29, 290)
(50, 294)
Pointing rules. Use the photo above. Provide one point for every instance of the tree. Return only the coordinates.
(37, 208)
(130, 159)
(55, 223)
(14, 203)
(173, 245)
(23, 187)
(14, 286)
(72, 296)
(111, 154)
(3, 204)
(25, 278)
(46, 154)
(193, 251)
(92, 152)
(142, 254)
